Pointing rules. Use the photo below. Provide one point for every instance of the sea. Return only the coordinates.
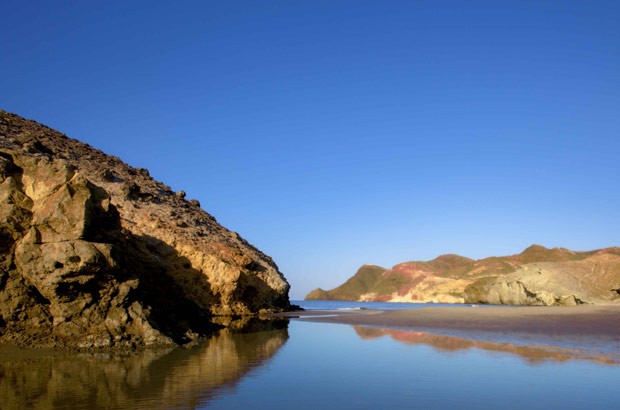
(296, 364)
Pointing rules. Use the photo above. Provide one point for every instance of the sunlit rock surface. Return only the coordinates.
(95, 253)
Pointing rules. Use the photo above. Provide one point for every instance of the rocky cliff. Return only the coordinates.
(537, 276)
(95, 253)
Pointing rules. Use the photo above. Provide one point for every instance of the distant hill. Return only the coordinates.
(536, 276)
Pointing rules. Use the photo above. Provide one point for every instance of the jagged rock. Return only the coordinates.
(86, 261)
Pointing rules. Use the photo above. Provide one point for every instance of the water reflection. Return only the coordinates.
(531, 353)
(176, 378)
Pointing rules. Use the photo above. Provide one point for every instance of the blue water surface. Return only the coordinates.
(330, 366)
(296, 364)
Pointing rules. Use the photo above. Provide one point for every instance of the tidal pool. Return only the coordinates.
(304, 365)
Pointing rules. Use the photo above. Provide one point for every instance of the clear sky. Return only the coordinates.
(336, 133)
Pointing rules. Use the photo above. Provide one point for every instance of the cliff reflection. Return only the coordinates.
(531, 353)
(177, 378)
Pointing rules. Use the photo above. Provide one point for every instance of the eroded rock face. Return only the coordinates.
(95, 253)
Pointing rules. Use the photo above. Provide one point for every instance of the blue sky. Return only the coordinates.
(336, 133)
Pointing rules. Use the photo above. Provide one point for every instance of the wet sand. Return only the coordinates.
(595, 327)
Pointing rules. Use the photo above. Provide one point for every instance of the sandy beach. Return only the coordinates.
(591, 327)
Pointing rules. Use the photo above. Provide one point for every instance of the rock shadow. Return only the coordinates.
(164, 277)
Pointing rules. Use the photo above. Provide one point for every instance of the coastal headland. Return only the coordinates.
(537, 276)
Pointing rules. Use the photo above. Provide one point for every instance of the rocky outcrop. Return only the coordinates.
(95, 253)
(537, 276)
(503, 292)
(318, 294)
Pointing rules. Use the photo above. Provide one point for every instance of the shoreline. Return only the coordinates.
(599, 320)
(591, 327)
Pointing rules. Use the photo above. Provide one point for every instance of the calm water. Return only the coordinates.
(303, 365)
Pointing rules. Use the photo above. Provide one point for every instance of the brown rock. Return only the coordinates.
(89, 262)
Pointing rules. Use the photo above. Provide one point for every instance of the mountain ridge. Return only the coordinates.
(536, 276)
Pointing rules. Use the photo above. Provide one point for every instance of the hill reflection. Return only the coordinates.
(532, 353)
(173, 378)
